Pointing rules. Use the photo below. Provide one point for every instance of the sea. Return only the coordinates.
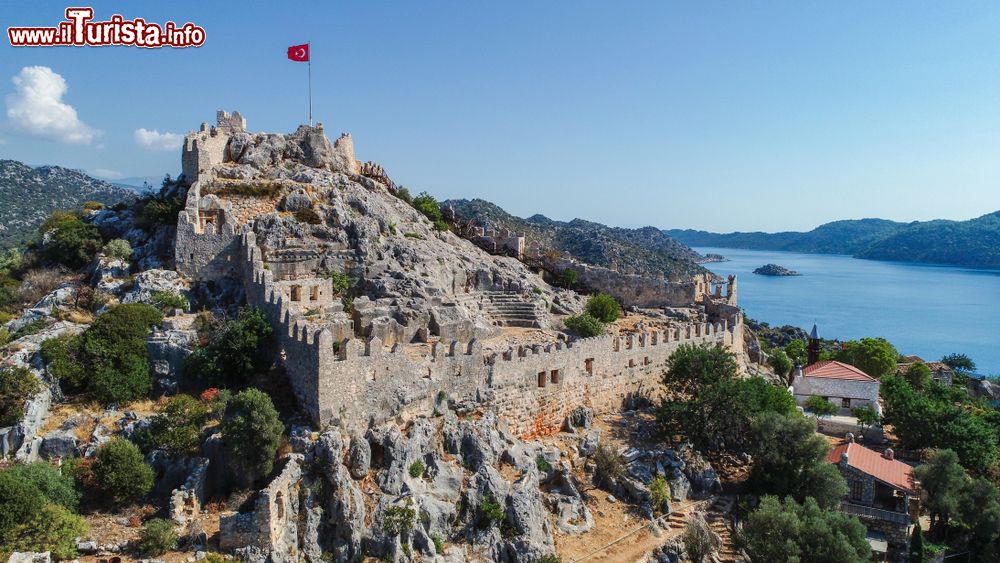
(926, 310)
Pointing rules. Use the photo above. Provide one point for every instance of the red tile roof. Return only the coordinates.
(830, 369)
(892, 472)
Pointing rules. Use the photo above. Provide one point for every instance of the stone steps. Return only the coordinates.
(507, 309)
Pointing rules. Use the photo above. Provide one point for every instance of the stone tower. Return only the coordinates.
(813, 348)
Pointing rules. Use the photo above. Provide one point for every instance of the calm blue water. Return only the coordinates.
(924, 310)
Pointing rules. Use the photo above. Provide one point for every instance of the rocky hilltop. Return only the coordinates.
(411, 383)
(28, 195)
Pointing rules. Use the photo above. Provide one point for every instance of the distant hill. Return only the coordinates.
(647, 250)
(974, 243)
(28, 195)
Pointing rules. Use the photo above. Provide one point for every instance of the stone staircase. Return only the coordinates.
(718, 520)
(507, 308)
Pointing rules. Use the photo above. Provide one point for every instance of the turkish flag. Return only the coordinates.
(299, 53)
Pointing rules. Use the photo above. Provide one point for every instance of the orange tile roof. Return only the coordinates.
(892, 472)
(830, 369)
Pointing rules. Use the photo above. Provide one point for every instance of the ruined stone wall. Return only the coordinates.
(637, 290)
(205, 250)
(206, 147)
(273, 523)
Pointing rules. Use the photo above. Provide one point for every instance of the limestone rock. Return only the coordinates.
(580, 417)
(359, 457)
(151, 281)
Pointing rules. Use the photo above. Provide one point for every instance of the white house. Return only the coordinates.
(842, 384)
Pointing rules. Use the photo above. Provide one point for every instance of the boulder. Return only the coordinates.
(152, 281)
(359, 457)
(580, 417)
(591, 440)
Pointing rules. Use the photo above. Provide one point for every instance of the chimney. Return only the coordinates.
(889, 454)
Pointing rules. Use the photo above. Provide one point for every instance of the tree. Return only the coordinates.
(252, 432)
(919, 376)
(874, 356)
(603, 307)
(236, 350)
(797, 352)
(780, 362)
(959, 362)
(118, 249)
(979, 512)
(68, 240)
(429, 206)
(17, 385)
(916, 552)
(177, 427)
(121, 472)
(790, 531)
(820, 406)
(867, 417)
(789, 458)
(19, 501)
(943, 480)
(691, 368)
(584, 325)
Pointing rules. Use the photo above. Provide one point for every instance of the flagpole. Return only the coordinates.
(309, 50)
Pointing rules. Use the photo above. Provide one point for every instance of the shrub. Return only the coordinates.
(30, 328)
(609, 466)
(69, 241)
(235, 351)
(252, 432)
(659, 494)
(550, 558)
(52, 485)
(438, 544)
(820, 406)
(919, 375)
(19, 501)
(340, 282)
(404, 194)
(584, 325)
(780, 362)
(542, 465)
(392, 229)
(536, 290)
(168, 300)
(52, 528)
(490, 512)
(177, 427)
(121, 472)
(308, 215)
(92, 206)
(118, 249)
(257, 189)
(569, 277)
(156, 537)
(417, 469)
(112, 352)
(426, 204)
(603, 307)
(699, 539)
(17, 385)
(60, 355)
(398, 519)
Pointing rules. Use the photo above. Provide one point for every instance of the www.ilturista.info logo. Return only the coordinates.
(79, 30)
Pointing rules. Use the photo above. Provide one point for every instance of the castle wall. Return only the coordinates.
(637, 290)
(205, 251)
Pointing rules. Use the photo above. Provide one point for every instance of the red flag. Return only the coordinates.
(299, 53)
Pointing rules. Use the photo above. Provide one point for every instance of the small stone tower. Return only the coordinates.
(813, 348)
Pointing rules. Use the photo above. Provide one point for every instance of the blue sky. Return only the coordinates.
(722, 116)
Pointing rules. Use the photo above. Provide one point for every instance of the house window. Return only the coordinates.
(541, 379)
(555, 376)
(846, 403)
(588, 365)
(857, 488)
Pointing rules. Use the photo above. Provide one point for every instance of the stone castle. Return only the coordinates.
(383, 356)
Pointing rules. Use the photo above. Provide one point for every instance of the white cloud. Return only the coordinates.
(106, 174)
(156, 141)
(36, 107)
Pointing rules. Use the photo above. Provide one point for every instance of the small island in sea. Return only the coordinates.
(775, 270)
(712, 257)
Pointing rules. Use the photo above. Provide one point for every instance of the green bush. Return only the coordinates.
(426, 204)
(542, 465)
(659, 494)
(114, 356)
(609, 466)
(919, 375)
(252, 432)
(780, 362)
(168, 300)
(156, 537)
(61, 358)
(404, 194)
(52, 528)
(417, 469)
(118, 249)
(308, 215)
(398, 519)
(20, 500)
(604, 308)
(52, 485)
(120, 471)
(340, 282)
(820, 406)
(584, 325)
(236, 350)
(550, 558)
(569, 277)
(490, 512)
(17, 385)
(177, 427)
(69, 241)
(29, 329)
